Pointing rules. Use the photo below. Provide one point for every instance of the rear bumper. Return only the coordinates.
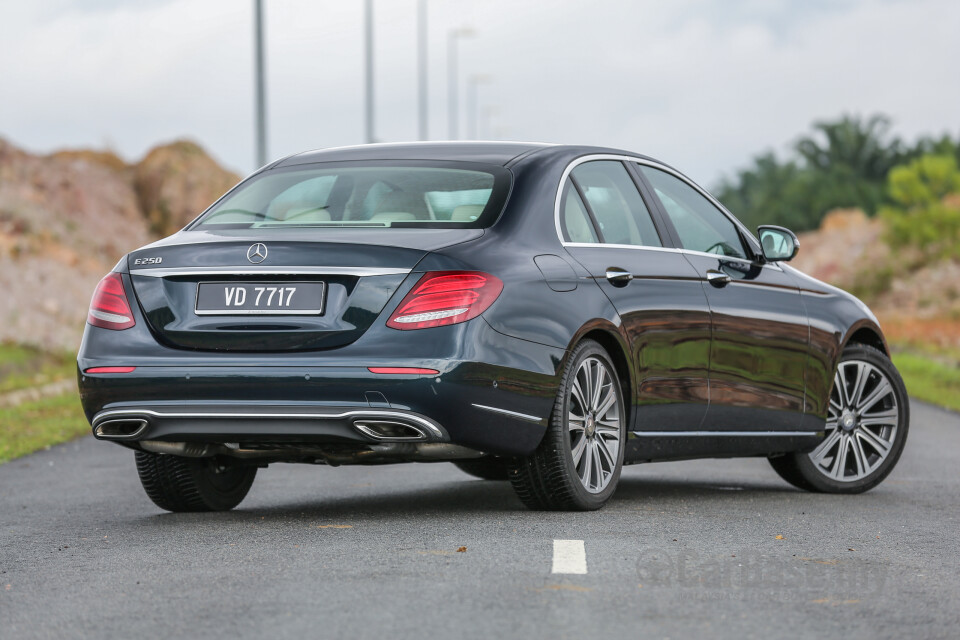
(497, 405)
(264, 424)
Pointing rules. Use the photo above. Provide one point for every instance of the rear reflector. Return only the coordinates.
(109, 370)
(446, 297)
(401, 370)
(109, 308)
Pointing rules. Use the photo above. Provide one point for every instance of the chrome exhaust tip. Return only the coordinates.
(389, 430)
(120, 428)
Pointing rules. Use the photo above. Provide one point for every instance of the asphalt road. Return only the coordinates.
(689, 549)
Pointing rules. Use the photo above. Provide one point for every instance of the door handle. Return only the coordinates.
(717, 278)
(618, 277)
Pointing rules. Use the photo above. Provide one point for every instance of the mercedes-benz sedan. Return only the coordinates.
(538, 313)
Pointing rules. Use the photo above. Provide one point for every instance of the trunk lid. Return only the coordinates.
(360, 270)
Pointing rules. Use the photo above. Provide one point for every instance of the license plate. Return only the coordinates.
(260, 298)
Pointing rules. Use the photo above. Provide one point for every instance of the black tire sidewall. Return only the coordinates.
(558, 424)
(218, 498)
(190, 484)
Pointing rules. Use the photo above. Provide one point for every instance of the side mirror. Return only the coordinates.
(778, 244)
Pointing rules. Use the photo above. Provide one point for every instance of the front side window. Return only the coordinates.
(615, 204)
(700, 225)
(325, 195)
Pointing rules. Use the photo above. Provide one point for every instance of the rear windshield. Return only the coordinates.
(332, 195)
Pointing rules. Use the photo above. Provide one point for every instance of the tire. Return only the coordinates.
(485, 468)
(549, 479)
(868, 417)
(180, 484)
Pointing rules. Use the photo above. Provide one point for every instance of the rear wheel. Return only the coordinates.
(866, 428)
(485, 468)
(578, 463)
(175, 483)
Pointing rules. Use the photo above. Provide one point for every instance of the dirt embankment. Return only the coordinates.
(66, 218)
(916, 301)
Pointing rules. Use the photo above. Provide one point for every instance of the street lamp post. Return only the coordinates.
(486, 116)
(368, 69)
(472, 83)
(260, 90)
(422, 68)
(452, 79)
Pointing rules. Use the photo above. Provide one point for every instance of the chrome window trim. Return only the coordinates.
(378, 413)
(563, 180)
(656, 165)
(595, 245)
(268, 271)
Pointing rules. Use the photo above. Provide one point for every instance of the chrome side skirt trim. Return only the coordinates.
(735, 434)
(513, 414)
(268, 271)
(362, 413)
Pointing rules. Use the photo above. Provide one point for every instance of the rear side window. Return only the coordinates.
(395, 195)
(700, 225)
(574, 217)
(612, 199)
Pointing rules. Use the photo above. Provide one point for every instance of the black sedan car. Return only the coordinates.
(539, 313)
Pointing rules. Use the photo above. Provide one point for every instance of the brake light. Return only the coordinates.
(109, 308)
(446, 297)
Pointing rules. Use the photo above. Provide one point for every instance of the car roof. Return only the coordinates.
(500, 153)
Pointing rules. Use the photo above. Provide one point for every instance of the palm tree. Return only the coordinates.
(852, 157)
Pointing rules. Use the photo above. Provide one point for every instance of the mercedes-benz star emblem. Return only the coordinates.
(257, 253)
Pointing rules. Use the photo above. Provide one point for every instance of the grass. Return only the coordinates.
(930, 379)
(41, 423)
(23, 366)
(36, 425)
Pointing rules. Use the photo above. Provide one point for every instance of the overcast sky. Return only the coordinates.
(701, 84)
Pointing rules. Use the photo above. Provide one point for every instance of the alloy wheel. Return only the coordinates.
(593, 420)
(862, 423)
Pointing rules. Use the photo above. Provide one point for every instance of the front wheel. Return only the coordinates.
(175, 483)
(866, 429)
(578, 463)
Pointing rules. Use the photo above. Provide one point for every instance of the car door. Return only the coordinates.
(760, 330)
(608, 228)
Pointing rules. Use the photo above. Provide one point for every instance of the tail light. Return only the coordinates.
(109, 308)
(446, 297)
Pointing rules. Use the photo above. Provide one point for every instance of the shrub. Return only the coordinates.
(926, 214)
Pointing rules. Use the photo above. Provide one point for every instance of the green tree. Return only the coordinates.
(926, 209)
(840, 163)
(770, 192)
(929, 146)
(849, 159)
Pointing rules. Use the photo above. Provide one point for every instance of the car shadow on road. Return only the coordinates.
(649, 491)
(477, 497)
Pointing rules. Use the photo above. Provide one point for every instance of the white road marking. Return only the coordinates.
(569, 556)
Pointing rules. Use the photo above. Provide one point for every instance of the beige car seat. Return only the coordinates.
(466, 213)
(401, 206)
